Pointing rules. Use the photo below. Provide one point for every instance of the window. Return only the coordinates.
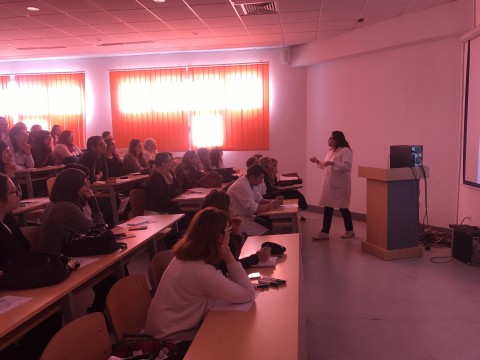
(45, 99)
(192, 107)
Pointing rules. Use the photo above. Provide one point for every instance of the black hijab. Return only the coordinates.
(66, 186)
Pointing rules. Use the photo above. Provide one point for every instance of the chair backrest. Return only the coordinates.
(157, 267)
(50, 182)
(127, 305)
(137, 201)
(32, 233)
(83, 338)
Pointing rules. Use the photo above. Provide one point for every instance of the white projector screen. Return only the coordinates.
(471, 142)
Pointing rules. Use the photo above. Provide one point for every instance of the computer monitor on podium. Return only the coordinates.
(406, 156)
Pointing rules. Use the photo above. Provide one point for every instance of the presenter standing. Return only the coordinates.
(336, 189)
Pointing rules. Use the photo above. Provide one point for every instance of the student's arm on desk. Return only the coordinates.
(266, 205)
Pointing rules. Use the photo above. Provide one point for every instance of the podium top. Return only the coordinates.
(394, 174)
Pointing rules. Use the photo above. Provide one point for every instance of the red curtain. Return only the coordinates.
(56, 98)
(191, 91)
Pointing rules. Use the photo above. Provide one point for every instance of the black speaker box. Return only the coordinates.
(465, 246)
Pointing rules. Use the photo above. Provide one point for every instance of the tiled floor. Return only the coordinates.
(361, 307)
(364, 308)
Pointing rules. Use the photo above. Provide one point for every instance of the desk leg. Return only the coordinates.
(113, 203)
(28, 180)
(68, 308)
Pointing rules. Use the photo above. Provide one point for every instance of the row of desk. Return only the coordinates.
(48, 300)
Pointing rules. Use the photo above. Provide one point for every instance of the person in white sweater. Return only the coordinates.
(191, 284)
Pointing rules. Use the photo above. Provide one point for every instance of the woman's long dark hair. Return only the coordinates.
(339, 137)
(63, 139)
(3, 146)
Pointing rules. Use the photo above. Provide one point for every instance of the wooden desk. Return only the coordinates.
(191, 200)
(288, 214)
(275, 326)
(29, 205)
(27, 176)
(48, 300)
(118, 186)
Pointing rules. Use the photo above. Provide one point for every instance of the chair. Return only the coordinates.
(127, 305)
(157, 267)
(137, 201)
(50, 182)
(32, 233)
(84, 338)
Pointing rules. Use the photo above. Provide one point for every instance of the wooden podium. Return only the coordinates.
(392, 211)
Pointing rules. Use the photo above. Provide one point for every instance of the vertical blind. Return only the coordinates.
(161, 103)
(46, 99)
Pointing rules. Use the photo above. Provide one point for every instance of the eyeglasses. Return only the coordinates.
(17, 190)
(228, 229)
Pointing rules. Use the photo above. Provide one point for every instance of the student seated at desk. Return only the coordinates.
(133, 161)
(149, 149)
(219, 199)
(7, 166)
(247, 202)
(270, 168)
(191, 283)
(12, 242)
(94, 159)
(17, 141)
(189, 174)
(204, 156)
(114, 163)
(64, 217)
(216, 158)
(42, 148)
(66, 152)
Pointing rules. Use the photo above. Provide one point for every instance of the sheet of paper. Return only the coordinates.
(271, 262)
(286, 178)
(289, 206)
(222, 305)
(9, 302)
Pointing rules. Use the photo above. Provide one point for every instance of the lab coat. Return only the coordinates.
(337, 185)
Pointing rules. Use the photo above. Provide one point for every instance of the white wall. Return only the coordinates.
(409, 92)
(287, 94)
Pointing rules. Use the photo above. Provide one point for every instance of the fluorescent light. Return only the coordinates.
(32, 8)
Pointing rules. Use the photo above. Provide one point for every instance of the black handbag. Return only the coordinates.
(34, 270)
(95, 242)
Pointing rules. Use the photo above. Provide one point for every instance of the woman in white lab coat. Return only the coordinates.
(336, 189)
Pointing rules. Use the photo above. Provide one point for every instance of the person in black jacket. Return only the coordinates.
(94, 159)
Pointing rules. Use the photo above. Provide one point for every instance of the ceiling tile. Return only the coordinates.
(21, 8)
(265, 38)
(46, 32)
(150, 26)
(304, 5)
(208, 11)
(265, 29)
(299, 16)
(67, 41)
(114, 28)
(185, 24)
(22, 22)
(300, 37)
(345, 4)
(95, 40)
(300, 27)
(200, 2)
(134, 15)
(97, 17)
(174, 13)
(69, 7)
(261, 20)
(57, 20)
(118, 4)
(16, 34)
(79, 30)
(223, 22)
(230, 31)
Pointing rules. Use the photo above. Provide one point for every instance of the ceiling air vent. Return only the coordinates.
(256, 8)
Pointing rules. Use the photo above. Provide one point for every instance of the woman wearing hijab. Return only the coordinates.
(64, 217)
